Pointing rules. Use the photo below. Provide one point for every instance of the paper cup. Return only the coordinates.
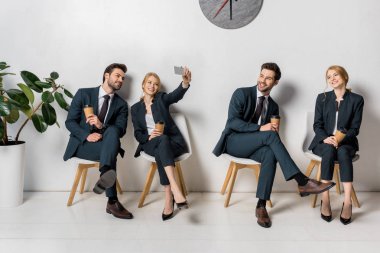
(88, 110)
(275, 119)
(339, 136)
(160, 126)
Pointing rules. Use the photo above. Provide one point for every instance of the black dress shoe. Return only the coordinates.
(263, 217)
(105, 181)
(118, 210)
(327, 218)
(344, 220)
(170, 215)
(314, 187)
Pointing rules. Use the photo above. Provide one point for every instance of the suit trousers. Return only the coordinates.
(105, 151)
(343, 154)
(164, 151)
(267, 148)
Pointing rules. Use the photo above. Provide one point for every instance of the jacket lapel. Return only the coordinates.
(141, 114)
(269, 110)
(252, 106)
(113, 106)
(95, 99)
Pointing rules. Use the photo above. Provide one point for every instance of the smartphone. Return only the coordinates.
(178, 70)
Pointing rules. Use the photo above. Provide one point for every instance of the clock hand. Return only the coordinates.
(221, 7)
(231, 8)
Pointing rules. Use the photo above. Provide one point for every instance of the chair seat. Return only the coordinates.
(309, 154)
(153, 160)
(234, 159)
(80, 160)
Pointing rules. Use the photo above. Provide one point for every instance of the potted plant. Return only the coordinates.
(40, 110)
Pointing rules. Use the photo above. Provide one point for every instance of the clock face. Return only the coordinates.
(230, 14)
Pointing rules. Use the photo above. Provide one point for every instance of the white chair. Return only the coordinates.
(83, 166)
(236, 164)
(315, 160)
(180, 121)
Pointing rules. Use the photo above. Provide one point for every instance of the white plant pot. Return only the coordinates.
(12, 161)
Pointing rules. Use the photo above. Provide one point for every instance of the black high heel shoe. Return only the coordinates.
(344, 220)
(327, 218)
(170, 215)
(182, 205)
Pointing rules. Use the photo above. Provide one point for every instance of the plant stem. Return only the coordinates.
(34, 111)
(5, 137)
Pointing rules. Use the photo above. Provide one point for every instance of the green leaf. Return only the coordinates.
(47, 97)
(61, 101)
(30, 79)
(50, 80)
(43, 84)
(4, 107)
(54, 75)
(27, 111)
(39, 124)
(13, 116)
(18, 96)
(6, 73)
(68, 93)
(18, 105)
(48, 112)
(27, 91)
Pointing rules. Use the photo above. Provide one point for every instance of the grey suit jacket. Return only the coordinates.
(76, 121)
(241, 109)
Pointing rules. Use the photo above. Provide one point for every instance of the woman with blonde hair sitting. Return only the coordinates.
(337, 120)
(153, 108)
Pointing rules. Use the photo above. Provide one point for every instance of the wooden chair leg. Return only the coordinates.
(181, 179)
(75, 185)
(118, 187)
(354, 198)
(234, 173)
(315, 196)
(83, 181)
(178, 179)
(337, 178)
(148, 183)
(256, 172)
(227, 179)
(310, 168)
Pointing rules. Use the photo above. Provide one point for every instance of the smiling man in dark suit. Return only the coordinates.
(249, 134)
(97, 137)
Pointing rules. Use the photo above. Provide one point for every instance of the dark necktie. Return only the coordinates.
(103, 110)
(258, 110)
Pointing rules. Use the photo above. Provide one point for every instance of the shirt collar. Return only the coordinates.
(102, 92)
(259, 94)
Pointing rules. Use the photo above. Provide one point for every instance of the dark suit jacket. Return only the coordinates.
(349, 117)
(241, 109)
(160, 112)
(76, 121)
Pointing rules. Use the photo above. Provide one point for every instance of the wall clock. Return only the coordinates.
(230, 14)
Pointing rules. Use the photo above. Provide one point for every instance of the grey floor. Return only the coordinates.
(44, 224)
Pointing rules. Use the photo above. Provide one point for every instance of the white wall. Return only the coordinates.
(79, 39)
